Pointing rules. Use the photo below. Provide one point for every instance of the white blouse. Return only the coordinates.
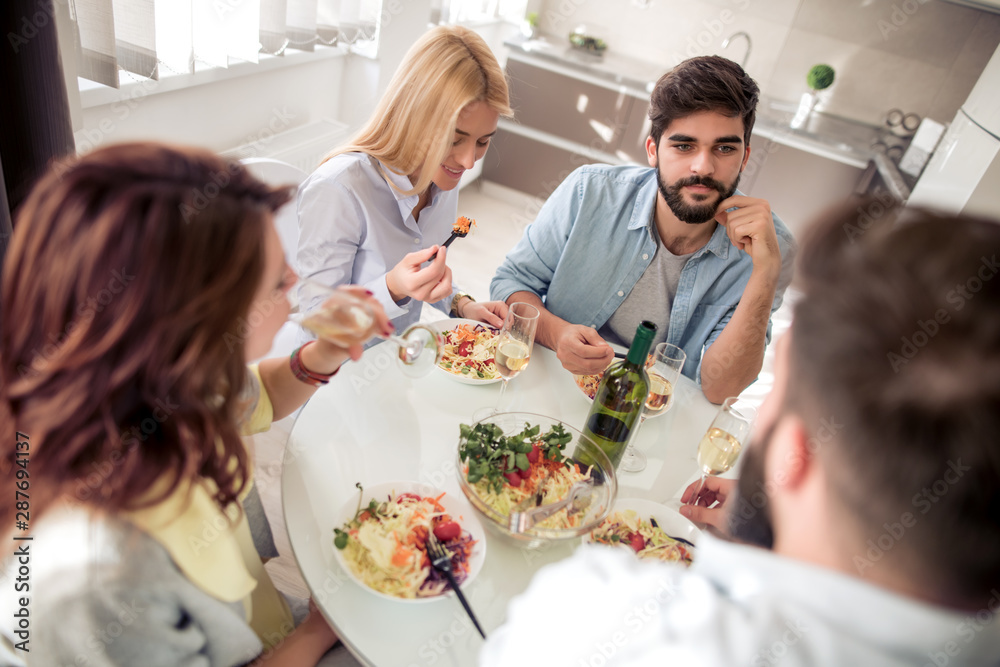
(354, 228)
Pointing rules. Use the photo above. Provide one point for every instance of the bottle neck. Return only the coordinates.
(640, 344)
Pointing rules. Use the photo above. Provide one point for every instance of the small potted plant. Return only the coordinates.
(820, 77)
(529, 28)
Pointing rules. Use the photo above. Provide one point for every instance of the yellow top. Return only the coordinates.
(214, 548)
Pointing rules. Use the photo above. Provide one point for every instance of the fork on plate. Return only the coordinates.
(441, 560)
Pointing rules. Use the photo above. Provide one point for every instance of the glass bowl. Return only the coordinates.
(605, 483)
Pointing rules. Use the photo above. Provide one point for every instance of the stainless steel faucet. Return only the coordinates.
(741, 33)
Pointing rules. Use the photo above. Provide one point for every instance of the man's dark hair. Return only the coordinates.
(894, 366)
(705, 83)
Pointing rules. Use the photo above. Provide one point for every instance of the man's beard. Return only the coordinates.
(693, 214)
(750, 509)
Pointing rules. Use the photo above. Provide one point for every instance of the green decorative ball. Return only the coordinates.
(820, 77)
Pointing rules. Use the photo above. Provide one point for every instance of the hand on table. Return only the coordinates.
(430, 283)
(715, 491)
(488, 312)
(751, 229)
(582, 350)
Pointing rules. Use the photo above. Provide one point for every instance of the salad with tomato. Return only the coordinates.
(506, 470)
(469, 350)
(385, 545)
(645, 538)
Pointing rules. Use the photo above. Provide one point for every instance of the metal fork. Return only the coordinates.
(441, 560)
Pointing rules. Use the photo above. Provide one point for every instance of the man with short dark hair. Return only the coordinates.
(874, 485)
(677, 244)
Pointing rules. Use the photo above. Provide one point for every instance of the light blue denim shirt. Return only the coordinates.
(354, 227)
(591, 242)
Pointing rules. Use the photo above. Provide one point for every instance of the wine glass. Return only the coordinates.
(513, 347)
(663, 371)
(721, 445)
(345, 319)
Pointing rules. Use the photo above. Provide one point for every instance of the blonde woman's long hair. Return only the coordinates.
(413, 126)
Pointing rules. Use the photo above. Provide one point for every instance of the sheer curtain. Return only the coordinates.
(153, 38)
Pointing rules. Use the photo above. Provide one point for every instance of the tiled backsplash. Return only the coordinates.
(921, 56)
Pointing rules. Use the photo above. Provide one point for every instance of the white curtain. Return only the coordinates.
(153, 38)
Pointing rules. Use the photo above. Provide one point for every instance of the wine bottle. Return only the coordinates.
(620, 397)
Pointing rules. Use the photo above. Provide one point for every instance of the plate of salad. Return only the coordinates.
(380, 538)
(651, 530)
(469, 347)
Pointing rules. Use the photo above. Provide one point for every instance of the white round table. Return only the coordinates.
(372, 424)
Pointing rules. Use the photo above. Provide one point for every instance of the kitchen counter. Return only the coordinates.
(843, 140)
(609, 69)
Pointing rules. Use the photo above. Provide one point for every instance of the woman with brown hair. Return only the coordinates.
(140, 280)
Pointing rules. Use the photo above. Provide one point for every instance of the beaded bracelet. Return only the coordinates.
(304, 374)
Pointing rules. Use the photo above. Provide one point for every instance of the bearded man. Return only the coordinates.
(865, 524)
(676, 243)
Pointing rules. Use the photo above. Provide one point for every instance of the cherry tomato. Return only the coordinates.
(447, 530)
(534, 454)
(637, 542)
(410, 496)
(513, 478)
(465, 348)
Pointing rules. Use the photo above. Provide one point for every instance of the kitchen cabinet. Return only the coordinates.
(562, 120)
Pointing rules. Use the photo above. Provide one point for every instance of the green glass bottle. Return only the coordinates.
(620, 397)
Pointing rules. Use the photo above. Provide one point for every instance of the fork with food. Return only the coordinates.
(459, 230)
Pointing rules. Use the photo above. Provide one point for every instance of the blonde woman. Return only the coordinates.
(376, 210)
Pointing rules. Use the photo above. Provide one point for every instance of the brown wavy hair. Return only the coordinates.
(704, 83)
(130, 273)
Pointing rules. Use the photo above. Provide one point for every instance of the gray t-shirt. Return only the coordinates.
(650, 299)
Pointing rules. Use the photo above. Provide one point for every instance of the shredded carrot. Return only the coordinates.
(463, 225)
(401, 556)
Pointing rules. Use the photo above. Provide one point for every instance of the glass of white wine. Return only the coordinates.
(722, 443)
(513, 345)
(346, 320)
(663, 370)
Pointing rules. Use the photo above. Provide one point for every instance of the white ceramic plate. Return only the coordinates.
(448, 325)
(455, 505)
(672, 523)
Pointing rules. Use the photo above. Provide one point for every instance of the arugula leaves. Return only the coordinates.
(490, 453)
